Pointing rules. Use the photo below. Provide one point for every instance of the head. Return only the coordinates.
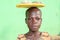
(33, 18)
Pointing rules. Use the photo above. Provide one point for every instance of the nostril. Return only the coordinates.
(34, 21)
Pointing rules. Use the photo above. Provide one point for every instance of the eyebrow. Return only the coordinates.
(32, 16)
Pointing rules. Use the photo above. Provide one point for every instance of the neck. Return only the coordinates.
(35, 33)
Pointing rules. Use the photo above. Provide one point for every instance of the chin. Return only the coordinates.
(34, 30)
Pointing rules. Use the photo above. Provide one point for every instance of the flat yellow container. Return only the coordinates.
(29, 5)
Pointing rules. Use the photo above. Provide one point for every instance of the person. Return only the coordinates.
(33, 20)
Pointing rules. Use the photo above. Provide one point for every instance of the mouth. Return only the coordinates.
(34, 26)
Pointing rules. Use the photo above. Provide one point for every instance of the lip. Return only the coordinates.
(34, 26)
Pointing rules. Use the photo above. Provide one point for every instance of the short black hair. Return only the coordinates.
(31, 8)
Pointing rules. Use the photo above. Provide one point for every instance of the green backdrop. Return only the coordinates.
(12, 19)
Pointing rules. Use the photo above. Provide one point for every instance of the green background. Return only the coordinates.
(12, 19)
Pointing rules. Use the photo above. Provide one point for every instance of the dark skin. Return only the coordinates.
(33, 21)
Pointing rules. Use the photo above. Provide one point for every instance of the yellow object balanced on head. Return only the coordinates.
(31, 4)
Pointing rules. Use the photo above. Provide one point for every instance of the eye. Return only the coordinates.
(38, 18)
(29, 18)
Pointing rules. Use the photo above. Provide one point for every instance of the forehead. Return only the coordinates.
(34, 14)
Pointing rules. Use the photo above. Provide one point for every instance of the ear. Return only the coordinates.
(41, 20)
(25, 20)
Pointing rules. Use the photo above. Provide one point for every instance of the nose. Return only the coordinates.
(34, 20)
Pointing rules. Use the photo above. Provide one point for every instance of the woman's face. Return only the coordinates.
(33, 20)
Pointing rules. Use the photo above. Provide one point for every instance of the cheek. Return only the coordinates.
(29, 22)
(39, 22)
